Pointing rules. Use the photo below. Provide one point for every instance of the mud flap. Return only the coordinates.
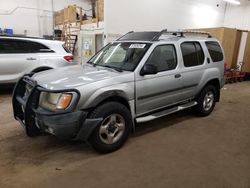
(87, 128)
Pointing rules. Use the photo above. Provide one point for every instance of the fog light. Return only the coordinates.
(50, 130)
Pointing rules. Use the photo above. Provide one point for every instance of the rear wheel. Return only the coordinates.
(206, 101)
(114, 130)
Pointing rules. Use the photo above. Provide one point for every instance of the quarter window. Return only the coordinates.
(163, 57)
(215, 51)
(193, 54)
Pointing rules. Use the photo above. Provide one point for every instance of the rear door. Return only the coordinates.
(161, 89)
(16, 58)
(194, 62)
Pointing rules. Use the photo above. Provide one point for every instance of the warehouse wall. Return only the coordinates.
(159, 14)
(37, 23)
(238, 16)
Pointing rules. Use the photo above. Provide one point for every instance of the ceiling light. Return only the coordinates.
(236, 2)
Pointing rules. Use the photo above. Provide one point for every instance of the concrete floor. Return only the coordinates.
(178, 151)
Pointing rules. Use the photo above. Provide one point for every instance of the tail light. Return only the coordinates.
(69, 58)
(225, 68)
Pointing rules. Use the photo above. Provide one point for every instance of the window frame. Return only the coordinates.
(176, 55)
(193, 42)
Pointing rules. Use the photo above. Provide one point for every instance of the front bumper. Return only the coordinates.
(68, 124)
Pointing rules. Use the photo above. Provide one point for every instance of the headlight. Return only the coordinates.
(55, 101)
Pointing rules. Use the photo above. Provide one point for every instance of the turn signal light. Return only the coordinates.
(64, 101)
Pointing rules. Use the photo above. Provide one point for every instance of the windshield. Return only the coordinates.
(121, 56)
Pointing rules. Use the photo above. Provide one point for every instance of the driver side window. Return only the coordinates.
(163, 57)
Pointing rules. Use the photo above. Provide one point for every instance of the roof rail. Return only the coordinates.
(180, 33)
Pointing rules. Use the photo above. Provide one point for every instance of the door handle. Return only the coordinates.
(31, 59)
(177, 75)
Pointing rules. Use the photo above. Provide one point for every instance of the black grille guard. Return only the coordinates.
(23, 103)
(26, 104)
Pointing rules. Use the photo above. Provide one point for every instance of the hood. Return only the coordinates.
(73, 76)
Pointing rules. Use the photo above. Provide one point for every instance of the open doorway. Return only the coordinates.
(98, 42)
(242, 48)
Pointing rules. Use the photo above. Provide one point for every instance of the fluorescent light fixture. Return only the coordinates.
(235, 2)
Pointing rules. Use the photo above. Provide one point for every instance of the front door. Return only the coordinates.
(160, 89)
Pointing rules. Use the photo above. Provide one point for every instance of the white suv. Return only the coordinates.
(19, 56)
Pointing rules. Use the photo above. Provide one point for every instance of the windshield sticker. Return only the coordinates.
(137, 46)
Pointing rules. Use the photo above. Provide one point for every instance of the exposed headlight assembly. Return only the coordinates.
(56, 101)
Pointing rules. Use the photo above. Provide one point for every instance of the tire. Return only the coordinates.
(203, 108)
(115, 128)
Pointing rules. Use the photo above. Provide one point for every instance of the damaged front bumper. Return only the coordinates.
(68, 124)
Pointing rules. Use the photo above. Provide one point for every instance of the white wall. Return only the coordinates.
(122, 16)
(37, 23)
(125, 15)
(238, 16)
(21, 19)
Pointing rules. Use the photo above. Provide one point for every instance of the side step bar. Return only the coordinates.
(165, 112)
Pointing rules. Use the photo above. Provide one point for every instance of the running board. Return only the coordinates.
(165, 112)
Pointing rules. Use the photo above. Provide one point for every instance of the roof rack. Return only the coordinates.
(139, 36)
(155, 36)
(125, 35)
(180, 33)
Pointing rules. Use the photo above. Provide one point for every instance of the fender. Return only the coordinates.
(106, 95)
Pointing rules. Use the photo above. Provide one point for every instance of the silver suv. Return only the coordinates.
(19, 56)
(140, 77)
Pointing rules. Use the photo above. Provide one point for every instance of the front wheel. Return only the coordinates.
(114, 129)
(206, 101)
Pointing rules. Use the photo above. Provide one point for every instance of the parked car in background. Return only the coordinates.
(19, 56)
(138, 78)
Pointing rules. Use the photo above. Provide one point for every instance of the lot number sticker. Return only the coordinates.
(137, 46)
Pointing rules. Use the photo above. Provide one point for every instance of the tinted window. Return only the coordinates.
(163, 57)
(215, 51)
(193, 54)
(10, 46)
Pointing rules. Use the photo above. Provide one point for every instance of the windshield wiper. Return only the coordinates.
(108, 66)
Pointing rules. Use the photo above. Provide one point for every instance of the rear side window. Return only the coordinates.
(38, 48)
(12, 46)
(193, 54)
(215, 51)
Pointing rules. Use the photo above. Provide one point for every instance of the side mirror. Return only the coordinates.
(148, 69)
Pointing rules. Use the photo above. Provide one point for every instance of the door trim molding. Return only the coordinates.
(166, 91)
